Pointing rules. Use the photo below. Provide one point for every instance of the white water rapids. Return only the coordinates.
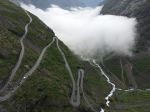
(108, 80)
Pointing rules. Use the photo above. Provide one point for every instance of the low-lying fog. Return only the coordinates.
(87, 33)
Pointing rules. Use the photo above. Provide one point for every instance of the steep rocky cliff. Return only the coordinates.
(133, 8)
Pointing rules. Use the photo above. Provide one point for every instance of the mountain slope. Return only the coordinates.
(139, 10)
(49, 87)
(134, 8)
(132, 71)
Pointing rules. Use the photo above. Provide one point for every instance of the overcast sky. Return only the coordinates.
(91, 2)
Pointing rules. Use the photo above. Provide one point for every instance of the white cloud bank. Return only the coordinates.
(87, 33)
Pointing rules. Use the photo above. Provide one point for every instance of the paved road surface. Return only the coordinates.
(81, 75)
(29, 73)
(15, 69)
(74, 101)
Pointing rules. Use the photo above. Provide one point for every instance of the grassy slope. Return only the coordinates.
(49, 88)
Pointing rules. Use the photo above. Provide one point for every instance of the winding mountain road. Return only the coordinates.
(74, 100)
(37, 63)
(75, 96)
(29, 73)
(81, 75)
(15, 69)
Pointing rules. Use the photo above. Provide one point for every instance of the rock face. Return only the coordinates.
(136, 69)
(133, 8)
(138, 9)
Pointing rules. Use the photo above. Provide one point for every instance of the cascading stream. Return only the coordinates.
(108, 80)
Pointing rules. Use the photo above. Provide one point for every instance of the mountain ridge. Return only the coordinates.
(47, 3)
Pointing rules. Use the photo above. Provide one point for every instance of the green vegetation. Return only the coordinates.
(49, 87)
(113, 66)
(39, 34)
(11, 28)
(133, 97)
(143, 64)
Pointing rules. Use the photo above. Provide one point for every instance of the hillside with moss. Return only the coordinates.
(49, 87)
